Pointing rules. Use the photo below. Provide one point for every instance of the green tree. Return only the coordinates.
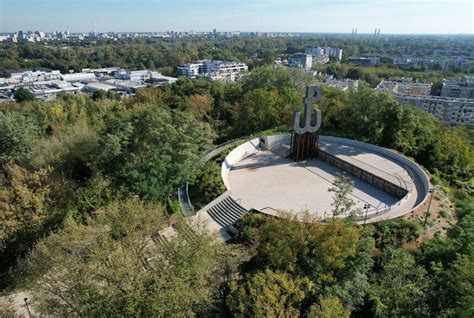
(401, 288)
(260, 110)
(336, 257)
(342, 203)
(208, 185)
(23, 95)
(116, 266)
(328, 307)
(152, 150)
(268, 294)
(25, 213)
(18, 135)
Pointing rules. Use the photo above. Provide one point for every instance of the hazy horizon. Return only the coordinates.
(300, 16)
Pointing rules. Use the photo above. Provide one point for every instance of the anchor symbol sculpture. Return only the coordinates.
(313, 94)
(304, 140)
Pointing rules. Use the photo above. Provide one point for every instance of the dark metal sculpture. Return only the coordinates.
(304, 139)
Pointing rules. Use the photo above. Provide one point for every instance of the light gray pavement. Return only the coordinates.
(377, 164)
(267, 183)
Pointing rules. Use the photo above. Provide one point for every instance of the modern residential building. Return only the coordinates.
(364, 60)
(428, 63)
(324, 51)
(406, 86)
(190, 69)
(301, 60)
(459, 62)
(463, 88)
(213, 70)
(452, 110)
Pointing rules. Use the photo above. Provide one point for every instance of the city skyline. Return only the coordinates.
(321, 16)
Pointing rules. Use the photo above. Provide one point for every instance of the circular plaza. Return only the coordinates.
(259, 175)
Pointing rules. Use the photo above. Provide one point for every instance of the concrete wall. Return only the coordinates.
(272, 141)
(244, 150)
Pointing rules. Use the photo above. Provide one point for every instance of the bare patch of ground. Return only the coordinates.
(439, 220)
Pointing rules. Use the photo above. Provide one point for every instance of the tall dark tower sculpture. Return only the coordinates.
(304, 139)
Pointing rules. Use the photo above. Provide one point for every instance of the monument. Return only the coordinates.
(304, 139)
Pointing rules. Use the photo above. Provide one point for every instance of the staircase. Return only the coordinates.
(226, 212)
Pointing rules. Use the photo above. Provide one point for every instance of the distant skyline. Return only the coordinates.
(331, 16)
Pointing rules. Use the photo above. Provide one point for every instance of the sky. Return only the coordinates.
(332, 16)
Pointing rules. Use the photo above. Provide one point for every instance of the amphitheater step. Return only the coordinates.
(226, 212)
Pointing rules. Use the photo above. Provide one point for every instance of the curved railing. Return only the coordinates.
(183, 195)
(185, 203)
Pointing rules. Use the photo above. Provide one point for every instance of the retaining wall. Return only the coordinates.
(249, 148)
(418, 172)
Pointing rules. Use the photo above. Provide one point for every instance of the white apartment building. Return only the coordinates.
(454, 111)
(325, 51)
(461, 88)
(406, 86)
(449, 109)
(190, 69)
(364, 60)
(301, 60)
(213, 70)
(404, 62)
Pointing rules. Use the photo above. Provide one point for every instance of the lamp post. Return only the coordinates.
(27, 307)
(366, 207)
(429, 205)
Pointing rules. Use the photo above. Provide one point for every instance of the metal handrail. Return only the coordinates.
(269, 207)
(184, 200)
